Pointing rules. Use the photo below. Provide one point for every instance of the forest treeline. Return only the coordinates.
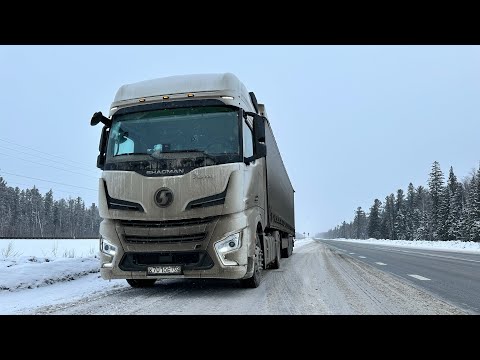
(26, 213)
(446, 210)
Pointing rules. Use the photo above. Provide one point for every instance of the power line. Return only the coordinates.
(51, 166)
(53, 182)
(60, 157)
(41, 157)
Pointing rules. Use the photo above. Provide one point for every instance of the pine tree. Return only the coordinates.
(48, 211)
(443, 225)
(457, 214)
(400, 228)
(467, 214)
(37, 212)
(4, 209)
(71, 217)
(79, 214)
(343, 230)
(360, 224)
(56, 219)
(399, 201)
(474, 209)
(384, 225)
(422, 204)
(410, 212)
(94, 221)
(423, 231)
(453, 211)
(400, 225)
(388, 218)
(435, 184)
(374, 220)
(14, 224)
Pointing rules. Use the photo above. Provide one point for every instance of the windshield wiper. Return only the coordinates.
(157, 154)
(132, 153)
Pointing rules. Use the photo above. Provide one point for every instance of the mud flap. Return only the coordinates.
(250, 266)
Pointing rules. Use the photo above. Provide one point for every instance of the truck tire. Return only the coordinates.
(290, 247)
(255, 280)
(141, 283)
(278, 246)
(288, 250)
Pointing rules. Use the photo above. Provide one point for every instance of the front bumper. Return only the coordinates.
(197, 256)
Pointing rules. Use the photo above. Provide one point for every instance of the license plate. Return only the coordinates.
(164, 270)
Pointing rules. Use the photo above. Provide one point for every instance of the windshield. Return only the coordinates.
(175, 140)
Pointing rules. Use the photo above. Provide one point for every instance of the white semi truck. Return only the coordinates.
(193, 183)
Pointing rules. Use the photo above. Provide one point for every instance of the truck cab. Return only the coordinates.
(184, 189)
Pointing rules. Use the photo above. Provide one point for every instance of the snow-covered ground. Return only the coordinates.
(50, 247)
(24, 301)
(28, 272)
(40, 272)
(453, 245)
(27, 282)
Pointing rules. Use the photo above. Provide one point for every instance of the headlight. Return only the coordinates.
(107, 247)
(227, 245)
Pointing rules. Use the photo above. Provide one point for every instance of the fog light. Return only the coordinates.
(107, 247)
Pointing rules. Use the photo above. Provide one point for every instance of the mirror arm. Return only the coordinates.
(99, 117)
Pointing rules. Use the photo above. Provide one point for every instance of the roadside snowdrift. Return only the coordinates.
(452, 245)
(28, 272)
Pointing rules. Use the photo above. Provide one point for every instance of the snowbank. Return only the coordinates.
(26, 301)
(302, 242)
(28, 272)
(38, 272)
(453, 245)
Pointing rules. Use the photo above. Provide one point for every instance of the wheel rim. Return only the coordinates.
(258, 258)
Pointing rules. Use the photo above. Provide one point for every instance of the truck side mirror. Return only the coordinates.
(260, 148)
(259, 136)
(102, 147)
(101, 161)
(259, 128)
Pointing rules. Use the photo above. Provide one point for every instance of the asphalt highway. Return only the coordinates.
(453, 276)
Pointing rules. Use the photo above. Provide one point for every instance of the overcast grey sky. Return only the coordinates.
(352, 122)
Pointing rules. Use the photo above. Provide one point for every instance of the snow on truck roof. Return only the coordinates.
(183, 84)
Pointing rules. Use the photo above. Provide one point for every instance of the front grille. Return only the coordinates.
(164, 239)
(189, 260)
(166, 224)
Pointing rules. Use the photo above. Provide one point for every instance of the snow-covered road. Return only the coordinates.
(315, 280)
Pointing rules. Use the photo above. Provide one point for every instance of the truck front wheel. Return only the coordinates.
(255, 280)
(141, 283)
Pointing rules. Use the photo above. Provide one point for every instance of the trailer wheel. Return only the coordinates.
(289, 250)
(278, 246)
(256, 279)
(141, 283)
(290, 246)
